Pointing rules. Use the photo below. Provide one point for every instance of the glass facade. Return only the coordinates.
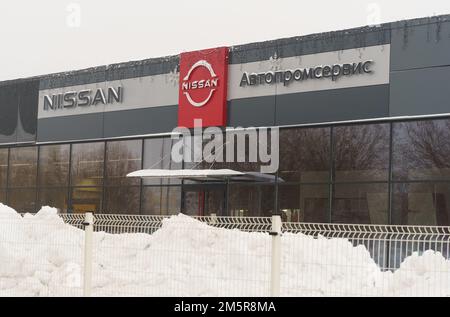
(22, 167)
(3, 168)
(305, 155)
(87, 164)
(161, 200)
(421, 203)
(304, 202)
(379, 173)
(360, 203)
(361, 153)
(254, 200)
(54, 165)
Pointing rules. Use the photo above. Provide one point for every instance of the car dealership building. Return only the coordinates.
(363, 117)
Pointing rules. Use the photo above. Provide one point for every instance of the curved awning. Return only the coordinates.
(204, 175)
(163, 173)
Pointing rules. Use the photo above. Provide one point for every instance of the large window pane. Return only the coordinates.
(305, 154)
(123, 157)
(86, 199)
(251, 200)
(87, 164)
(360, 203)
(204, 199)
(3, 197)
(161, 200)
(244, 148)
(3, 167)
(304, 203)
(361, 152)
(22, 170)
(157, 154)
(54, 165)
(22, 200)
(122, 200)
(421, 150)
(193, 205)
(237, 150)
(421, 204)
(53, 197)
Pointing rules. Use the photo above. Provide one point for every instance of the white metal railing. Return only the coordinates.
(140, 255)
(388, 245)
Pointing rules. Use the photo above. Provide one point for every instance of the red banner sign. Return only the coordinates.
(203, 87)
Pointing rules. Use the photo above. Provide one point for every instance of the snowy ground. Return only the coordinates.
(42, 256)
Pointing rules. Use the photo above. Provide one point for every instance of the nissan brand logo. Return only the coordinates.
(211, 83)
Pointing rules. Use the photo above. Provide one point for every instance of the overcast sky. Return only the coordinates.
(47, 36)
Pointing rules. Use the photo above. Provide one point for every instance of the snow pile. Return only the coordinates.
(40, 255)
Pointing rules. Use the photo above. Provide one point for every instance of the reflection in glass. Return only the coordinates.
(122, 200)
(304, 203)
(123, 157)
(86, 199)
(53, 197)
(22, 170)
(243, 148)
(22, 200)
(237, 150)
(87, 164)
(361, 152)
(193, 204)
(204, 200)
(3, 167)
(251, 200)
(3, 197)
(157, 155)
(305, 154)
(421, 150)
(54, 165)
(421, 204)
(360, 203)
(161, 200)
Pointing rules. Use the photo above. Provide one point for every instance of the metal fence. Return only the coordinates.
(388, 245)
(127, 255)
(410, 260)
(186, 258)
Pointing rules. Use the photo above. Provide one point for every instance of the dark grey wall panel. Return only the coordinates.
(9, 103)
(140, 121)
(251, 112)
(311, 107)
(18, 111)
(333, 105)
(28, 93)
(108, 124)
(420, 46)
(87, 126)
(420, 92)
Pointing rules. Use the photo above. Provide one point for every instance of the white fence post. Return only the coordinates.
(275, 273)
(213, 219)
(88, 247)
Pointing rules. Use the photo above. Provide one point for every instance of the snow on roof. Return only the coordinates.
(185, 173)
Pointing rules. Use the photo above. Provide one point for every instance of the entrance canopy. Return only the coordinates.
(204, 175)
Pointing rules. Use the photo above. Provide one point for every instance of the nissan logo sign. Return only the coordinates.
(210, 83)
